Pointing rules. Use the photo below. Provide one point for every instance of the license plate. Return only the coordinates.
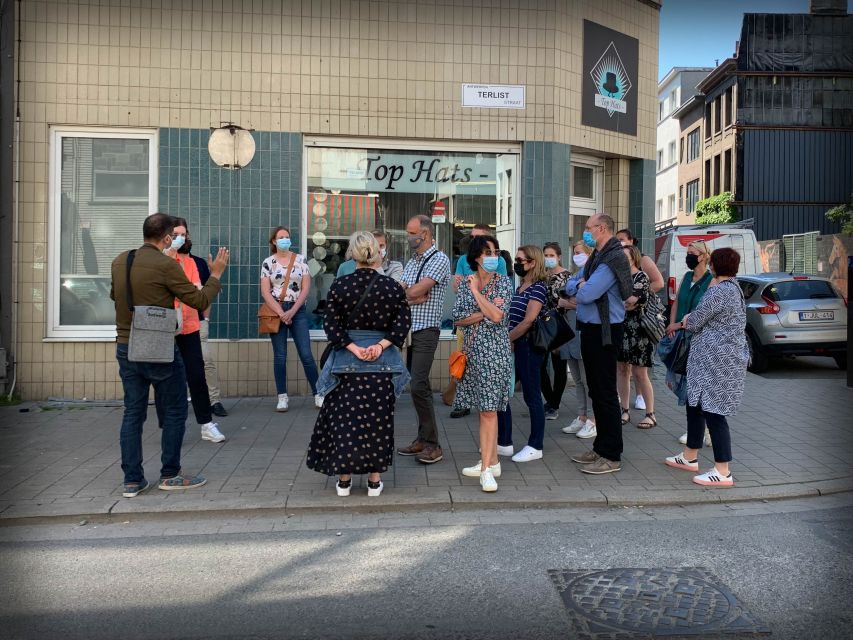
(817, 315)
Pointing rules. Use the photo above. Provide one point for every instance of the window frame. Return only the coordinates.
(54, 331)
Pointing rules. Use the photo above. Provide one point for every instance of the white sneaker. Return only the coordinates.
(588, 431)
(487, 481)
(474, 472)
(375, 493)
(318, 401)
(714, 478)
(283, 402)
(527, 454)
(640, 403)
(343, 492)
(680, 462)
(707, 440)
(574, 427)
(210, 431)
(505, 451)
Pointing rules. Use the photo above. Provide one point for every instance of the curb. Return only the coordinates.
(112, 509)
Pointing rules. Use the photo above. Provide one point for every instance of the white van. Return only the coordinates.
(671, 251)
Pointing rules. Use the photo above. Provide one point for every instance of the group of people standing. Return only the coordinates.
(377, 307)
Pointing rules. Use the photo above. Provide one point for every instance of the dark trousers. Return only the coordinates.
(421, 355)
(718, 427)
(528, 364)
(168, 380)
(190, 347)
(600, 364)
(505, 427)
(553, 394)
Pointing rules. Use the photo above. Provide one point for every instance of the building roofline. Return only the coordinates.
(695, 100)
(676, 70)
(717, 75)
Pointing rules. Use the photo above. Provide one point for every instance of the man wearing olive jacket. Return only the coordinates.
(156, 280)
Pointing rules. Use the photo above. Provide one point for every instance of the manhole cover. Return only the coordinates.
(637, 603)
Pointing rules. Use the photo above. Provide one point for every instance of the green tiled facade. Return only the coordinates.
(545, 179)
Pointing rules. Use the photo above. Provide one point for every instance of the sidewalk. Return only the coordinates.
(791, 438)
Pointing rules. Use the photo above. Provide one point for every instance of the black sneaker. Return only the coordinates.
(133, 489)
(218, 410)
(459, 413)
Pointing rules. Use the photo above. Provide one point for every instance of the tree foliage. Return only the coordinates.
(716, 209)
(843, 213)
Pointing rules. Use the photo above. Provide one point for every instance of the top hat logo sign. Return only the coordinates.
(611, 81)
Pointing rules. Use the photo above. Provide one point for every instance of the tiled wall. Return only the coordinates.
(234, 209)
(545, 175)
(641, 201)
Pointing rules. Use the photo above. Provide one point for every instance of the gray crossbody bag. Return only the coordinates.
(152, 329)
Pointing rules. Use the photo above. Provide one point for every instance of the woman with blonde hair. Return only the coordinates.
(367, 320)
(584, 425)
(525, 307)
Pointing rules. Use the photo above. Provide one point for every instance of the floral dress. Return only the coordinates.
(637, 349)
(486, 383)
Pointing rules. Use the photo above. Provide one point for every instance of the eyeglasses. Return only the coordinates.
(522, 260)
(588, 228)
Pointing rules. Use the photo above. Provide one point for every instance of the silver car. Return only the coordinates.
(793, 314)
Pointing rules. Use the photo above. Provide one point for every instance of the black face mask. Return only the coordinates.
(519, 269)
(692, 261)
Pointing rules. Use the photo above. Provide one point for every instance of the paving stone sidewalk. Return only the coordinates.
(791, 438)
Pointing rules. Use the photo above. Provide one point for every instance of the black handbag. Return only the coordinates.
(550, 331)
(679, 361)
(328, 350)
(652, 318)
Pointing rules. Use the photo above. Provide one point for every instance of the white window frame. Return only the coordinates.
(407, 145)
(587, 206)
(55, 332)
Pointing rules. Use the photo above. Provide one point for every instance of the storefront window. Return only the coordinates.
(103, 186)
(350, 189)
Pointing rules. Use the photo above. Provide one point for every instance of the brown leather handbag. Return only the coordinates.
(268, 320)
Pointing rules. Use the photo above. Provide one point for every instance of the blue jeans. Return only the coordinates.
(528, 364)
(170, 390)
(298, 330)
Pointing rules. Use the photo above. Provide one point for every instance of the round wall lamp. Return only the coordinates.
(231, 146)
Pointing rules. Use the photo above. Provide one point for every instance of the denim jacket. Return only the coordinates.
(343, 361)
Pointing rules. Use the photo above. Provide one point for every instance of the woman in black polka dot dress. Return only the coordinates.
(354, 433)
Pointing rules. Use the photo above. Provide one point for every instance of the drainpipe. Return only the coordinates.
(16, 207)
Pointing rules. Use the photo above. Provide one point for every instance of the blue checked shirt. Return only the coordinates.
(428, 314)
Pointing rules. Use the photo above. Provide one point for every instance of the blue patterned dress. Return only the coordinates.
(486, 383)
(716, 362)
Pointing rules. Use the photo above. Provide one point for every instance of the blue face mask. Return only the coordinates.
(178, 242)
(550, 263)
(588, 239)
(283, 244)
(490, 263)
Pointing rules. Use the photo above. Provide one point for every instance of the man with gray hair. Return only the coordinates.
(601, 289)
(425, 280)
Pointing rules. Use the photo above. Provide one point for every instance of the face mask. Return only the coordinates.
(178, 242)
(588, 239)
(580, 259)
(692, 261)
(490, 263)
(550, 263)
(383, 252)
(414, 241)
(518, 268)
(283, 244)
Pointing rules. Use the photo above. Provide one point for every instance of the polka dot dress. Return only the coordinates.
(354, 432)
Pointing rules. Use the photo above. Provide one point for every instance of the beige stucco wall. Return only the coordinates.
(336, 68)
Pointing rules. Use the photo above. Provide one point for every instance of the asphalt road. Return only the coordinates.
(797, 367)
(413, 576)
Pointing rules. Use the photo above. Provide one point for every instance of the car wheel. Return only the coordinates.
(841, 360)
(757, 360)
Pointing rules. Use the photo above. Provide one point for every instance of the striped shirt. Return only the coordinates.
(437, 267)
(518, 306)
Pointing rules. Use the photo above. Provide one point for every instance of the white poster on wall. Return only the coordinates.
(493, 96)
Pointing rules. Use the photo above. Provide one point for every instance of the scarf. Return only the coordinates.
(610, 254)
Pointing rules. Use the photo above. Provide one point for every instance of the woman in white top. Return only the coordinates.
(288, 298)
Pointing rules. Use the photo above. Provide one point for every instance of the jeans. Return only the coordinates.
(600, 364)
(211, 375)
(528, 363)
(298, 330)
(169, 382)
(579, 375)
(553, 394)
(505, 427)
(421, 355)
(190, 347)
(718, 427)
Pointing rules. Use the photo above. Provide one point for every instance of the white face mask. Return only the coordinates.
(580, 259)
(383, 252)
